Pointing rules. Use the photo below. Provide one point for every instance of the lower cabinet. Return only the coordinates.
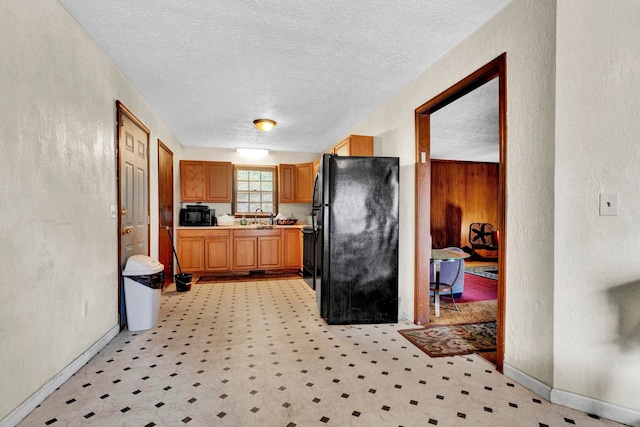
(190, 252)
(232, 249)
(217, 254)
(292, 247)
(204, 250)
(257, 249)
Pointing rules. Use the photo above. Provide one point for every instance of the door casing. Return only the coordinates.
(497, 68)
(126, 118)
(165, 201)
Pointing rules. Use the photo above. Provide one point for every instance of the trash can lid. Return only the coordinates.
(138, 265)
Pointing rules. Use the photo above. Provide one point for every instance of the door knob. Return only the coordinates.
(123, 211)
(125, 230)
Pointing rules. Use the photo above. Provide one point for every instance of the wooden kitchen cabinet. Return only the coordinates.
(304, 182)
(355, 145)
(269, 252)
(245, 253)
(296, 183)
(206, 181)
(190, 250)
(257, 249)
(219, 249)
(193, 186)
(292, 247)
(204, 250)
(219, 182)
(287, 183)
(218, 253)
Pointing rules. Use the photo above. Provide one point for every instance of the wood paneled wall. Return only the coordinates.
(461, 193)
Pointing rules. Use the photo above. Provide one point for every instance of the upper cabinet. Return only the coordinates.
(206, 181)
(296, 183)
(354, 145)
(193, 185)
(304, 182)
(287, 183)
(219, 182)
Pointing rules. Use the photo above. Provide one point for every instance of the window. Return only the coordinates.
(255, 188)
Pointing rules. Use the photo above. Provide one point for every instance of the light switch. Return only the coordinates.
(113, 211)
(608, 204)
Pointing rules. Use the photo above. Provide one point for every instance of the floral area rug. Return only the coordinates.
(453, 340)
(488, 271)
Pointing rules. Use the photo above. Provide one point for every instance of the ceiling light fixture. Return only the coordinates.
(252, 152)
(265, 125)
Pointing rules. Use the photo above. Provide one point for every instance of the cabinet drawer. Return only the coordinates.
(204, 233)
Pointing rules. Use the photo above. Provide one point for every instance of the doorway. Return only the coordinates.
(495, 69)
(165, 201)
(133, 192)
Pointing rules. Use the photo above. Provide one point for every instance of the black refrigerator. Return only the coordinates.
(355, 207)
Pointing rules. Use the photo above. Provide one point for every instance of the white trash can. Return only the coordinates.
(143, 283)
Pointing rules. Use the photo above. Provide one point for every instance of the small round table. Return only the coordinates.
(438, 256)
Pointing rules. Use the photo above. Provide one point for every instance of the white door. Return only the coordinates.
(133, 158)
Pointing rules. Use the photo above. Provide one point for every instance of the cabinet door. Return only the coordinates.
(269, 248)
(192, 181)
(191, 253)
(287, 184)
(360, 145)
(245, 253)
(342, 149)
(304, 182)
(219, 182)
(292, 247)
(217, 254)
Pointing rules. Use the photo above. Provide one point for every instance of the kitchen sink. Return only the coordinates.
(262, 226)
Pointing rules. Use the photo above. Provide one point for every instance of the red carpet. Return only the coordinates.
(476, 288)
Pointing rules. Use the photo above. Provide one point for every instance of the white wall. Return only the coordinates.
(597, 272)
(57, 164)
(526, 31)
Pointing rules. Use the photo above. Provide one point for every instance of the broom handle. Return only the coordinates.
(164, 220)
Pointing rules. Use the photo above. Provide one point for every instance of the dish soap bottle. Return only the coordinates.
(271, 217)
(243, 221)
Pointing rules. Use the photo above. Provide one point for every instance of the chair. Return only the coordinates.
(451, 278)
(483, 235)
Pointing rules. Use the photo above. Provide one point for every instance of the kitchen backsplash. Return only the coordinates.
(299, 210)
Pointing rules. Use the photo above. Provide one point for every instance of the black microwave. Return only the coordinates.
(197, 216)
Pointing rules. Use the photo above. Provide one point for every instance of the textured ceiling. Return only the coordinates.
(209, 68)
(467, 129)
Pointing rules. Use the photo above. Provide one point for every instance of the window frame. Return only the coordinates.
(261, 168)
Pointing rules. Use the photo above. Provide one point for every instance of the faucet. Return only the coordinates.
(255, 217)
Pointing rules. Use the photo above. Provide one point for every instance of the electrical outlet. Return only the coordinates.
(608, 204)
(85, 308)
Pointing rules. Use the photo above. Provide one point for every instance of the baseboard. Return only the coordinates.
(536, 386)
(592, 406)
(573, 400)
(405, 315)
(39, 396)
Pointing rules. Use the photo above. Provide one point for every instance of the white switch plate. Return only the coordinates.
(114, 211)
(608, 204)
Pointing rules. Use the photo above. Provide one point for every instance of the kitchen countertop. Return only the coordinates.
(242, 227)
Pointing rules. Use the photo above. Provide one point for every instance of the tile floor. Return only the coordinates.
(257, 354)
